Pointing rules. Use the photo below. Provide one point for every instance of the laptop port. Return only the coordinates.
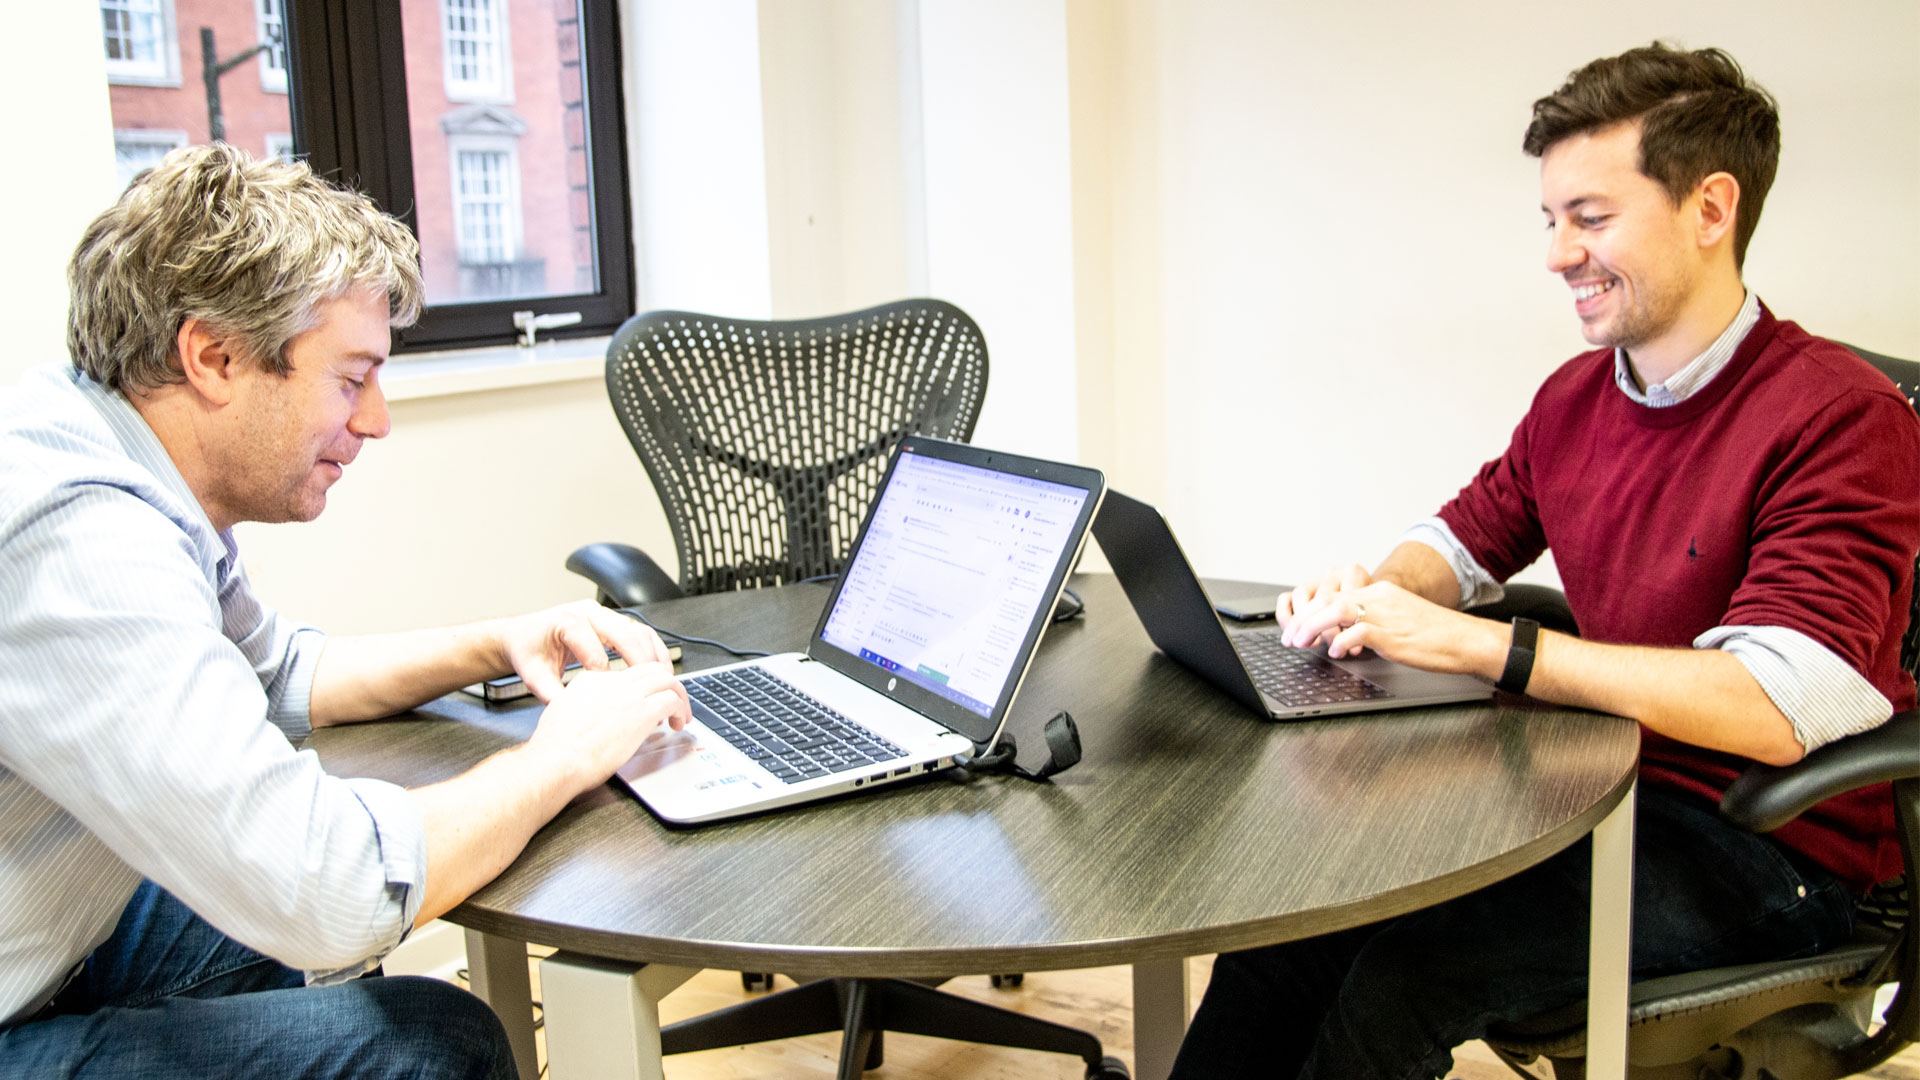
(903, 772)
(857, 783)
(877, 777)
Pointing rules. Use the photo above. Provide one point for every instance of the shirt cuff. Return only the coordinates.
(1822, 696)
(1477, 587)
(290, 699)
(402, 835)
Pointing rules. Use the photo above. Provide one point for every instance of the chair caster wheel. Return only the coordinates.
(1007, 982)
(1110, 1068)
(756, 980)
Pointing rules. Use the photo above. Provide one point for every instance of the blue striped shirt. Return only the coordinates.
(148, 717)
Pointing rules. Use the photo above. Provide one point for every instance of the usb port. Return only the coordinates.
(877, 777)
(903, 772)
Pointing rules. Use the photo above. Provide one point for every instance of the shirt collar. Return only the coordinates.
(143, 447)
(1699, 371)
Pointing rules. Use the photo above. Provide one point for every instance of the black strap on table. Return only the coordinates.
(1063, 752)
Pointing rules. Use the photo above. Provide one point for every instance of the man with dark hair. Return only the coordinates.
(1734, 508)
(183, 892)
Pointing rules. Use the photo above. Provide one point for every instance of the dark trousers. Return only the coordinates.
(168, 996)
(1389, 1001)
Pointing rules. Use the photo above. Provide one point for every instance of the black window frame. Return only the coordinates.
(347, 77)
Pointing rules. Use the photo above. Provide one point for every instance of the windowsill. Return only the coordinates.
(496, 367)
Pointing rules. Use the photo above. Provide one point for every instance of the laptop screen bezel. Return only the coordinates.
(953, 715)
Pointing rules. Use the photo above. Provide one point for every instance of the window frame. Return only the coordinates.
(347, 66)
(164, 69)
(512, 227)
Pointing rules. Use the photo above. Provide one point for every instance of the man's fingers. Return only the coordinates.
(633, 640)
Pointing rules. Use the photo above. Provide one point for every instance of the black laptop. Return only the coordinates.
(1252, 666)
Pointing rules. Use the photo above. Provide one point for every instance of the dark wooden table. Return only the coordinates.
(1190, 827)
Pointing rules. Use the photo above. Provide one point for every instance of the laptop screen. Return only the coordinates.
(945, 583)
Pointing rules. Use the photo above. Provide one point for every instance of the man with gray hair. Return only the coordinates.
(182, 893)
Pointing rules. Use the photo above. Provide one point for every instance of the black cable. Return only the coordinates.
(689, 639)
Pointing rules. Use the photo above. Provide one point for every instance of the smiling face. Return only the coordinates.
(290, 437)
(1624, 248)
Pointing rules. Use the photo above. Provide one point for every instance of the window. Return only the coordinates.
(271, 21)
(504, 153)
(137, 150)
(477, 59)
(278, 144)
(140, 43)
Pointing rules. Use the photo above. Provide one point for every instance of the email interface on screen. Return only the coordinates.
(953, 568)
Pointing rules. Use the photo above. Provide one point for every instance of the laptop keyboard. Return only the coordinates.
(790, 734)
(1295, 677)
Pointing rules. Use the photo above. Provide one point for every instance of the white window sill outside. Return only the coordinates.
(413, 376)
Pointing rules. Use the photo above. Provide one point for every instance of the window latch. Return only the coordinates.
(528, 323)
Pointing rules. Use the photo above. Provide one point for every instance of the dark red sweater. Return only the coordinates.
(1786, 492)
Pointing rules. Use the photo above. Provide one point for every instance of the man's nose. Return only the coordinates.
(370, 419)
(1564, 251)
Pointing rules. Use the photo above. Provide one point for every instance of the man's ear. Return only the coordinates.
(206, 361)
(1719, 199)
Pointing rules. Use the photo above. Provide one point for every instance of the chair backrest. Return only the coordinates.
(1905, 375)
(766, 441)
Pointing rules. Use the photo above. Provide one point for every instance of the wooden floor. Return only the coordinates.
(1097, 1000)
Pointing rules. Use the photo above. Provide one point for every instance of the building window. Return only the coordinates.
(134, 151)
(279, 144)
(477, 59)
(140, 43)
(485, 205)
(271, 20)
(519, 205)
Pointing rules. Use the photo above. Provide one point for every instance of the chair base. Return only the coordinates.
(863, 1010)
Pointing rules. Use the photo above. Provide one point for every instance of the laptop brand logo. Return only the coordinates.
(891, 683)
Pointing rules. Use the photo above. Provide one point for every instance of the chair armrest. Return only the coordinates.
(1764, 797)
(1544, 605)
(624, 575)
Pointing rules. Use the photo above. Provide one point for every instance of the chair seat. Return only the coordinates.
(1732, 996)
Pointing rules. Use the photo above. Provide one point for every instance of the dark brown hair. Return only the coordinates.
(1698, 113)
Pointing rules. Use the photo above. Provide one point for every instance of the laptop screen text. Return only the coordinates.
(952, 570)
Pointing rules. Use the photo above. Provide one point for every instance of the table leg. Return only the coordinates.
(1160, 996)
(1608, 943)
(603, 1016)
(497, 972)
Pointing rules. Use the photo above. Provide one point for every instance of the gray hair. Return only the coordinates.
(253, 248)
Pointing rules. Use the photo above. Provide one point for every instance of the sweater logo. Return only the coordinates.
(1692, 552)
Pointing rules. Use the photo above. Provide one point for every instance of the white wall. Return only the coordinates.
(1343, 245)
(59, 173)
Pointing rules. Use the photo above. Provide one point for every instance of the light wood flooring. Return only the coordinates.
(1097, 1000)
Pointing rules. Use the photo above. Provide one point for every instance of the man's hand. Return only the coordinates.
(1401, 626)
(539, 646)
(1316, 596)
(599, 719)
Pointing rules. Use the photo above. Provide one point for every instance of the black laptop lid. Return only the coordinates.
(1167, 595)
(953, 578)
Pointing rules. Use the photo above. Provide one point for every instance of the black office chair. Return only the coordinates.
(766, 441)
(1807, 1019)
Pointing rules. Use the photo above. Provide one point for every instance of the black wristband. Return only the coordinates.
(1526, 635)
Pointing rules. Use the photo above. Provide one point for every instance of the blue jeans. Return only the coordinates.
(168, 996)
(1389, 1001)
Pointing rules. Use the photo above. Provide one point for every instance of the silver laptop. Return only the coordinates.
(1252, 666)
(918, 653)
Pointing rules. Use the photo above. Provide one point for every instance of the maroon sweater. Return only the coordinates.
(1786, 492)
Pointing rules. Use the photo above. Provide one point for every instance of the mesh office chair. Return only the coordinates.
(766, 441)
(1807, 1019)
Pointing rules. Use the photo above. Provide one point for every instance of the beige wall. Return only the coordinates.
(1303, 231)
